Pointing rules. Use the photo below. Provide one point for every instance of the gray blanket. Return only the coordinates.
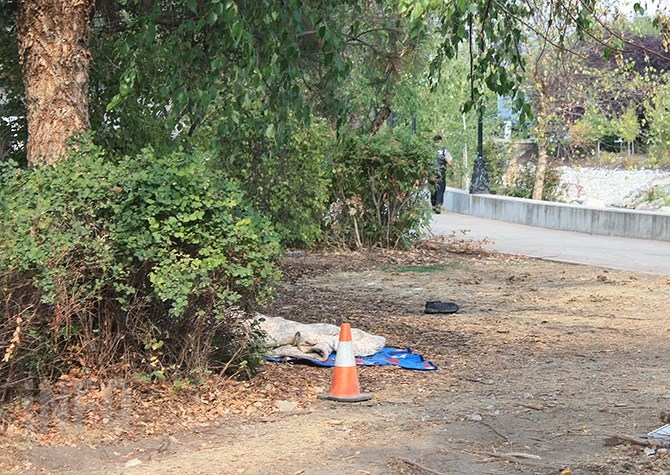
(314, 341)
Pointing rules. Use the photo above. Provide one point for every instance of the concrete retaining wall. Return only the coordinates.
(608, 221)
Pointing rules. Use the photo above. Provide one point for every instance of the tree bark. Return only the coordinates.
(541, 171)
(54, 53)
(541, 137)
(383, 113)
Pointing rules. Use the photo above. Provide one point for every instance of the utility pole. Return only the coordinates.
(480, 175)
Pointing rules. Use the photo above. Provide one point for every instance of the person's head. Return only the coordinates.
(437, 139)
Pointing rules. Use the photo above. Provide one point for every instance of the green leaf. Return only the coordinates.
(116, 100)
(270, 131)
(237, 31)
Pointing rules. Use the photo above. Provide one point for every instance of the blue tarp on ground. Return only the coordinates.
(402, 357)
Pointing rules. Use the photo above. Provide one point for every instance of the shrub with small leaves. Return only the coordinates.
(100, 256)
(380, 189)
(286, 180)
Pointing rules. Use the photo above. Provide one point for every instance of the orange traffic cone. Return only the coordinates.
(345, 377)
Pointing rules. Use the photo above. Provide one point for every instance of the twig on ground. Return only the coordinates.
(665, 444)
(520, 455)
(422, 467)
(284, 415)
(497, 433)
(517, 457)
(538, 439)
(572, 434)
(477, 380)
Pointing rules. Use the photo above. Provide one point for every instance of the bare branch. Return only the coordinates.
(540, 34)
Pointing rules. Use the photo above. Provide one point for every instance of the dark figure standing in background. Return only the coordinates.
(441, 162)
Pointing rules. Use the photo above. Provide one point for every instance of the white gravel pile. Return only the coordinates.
(599, 187)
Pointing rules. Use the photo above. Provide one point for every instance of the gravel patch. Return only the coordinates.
(600, 187)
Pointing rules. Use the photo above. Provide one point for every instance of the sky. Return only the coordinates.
(650, 6)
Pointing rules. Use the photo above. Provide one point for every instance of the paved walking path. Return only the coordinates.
(637, 255)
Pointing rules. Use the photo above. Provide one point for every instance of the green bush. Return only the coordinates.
(286, 180)
(379, 192)
(498, 154)
(143, 262)
(7, 169)
(521, 184)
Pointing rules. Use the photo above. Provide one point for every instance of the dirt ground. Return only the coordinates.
(543, 363)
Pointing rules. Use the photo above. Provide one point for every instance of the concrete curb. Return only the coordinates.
(546, 214)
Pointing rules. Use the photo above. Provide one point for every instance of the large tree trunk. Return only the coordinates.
(541, 171)
(53, 47)
(541, 136)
